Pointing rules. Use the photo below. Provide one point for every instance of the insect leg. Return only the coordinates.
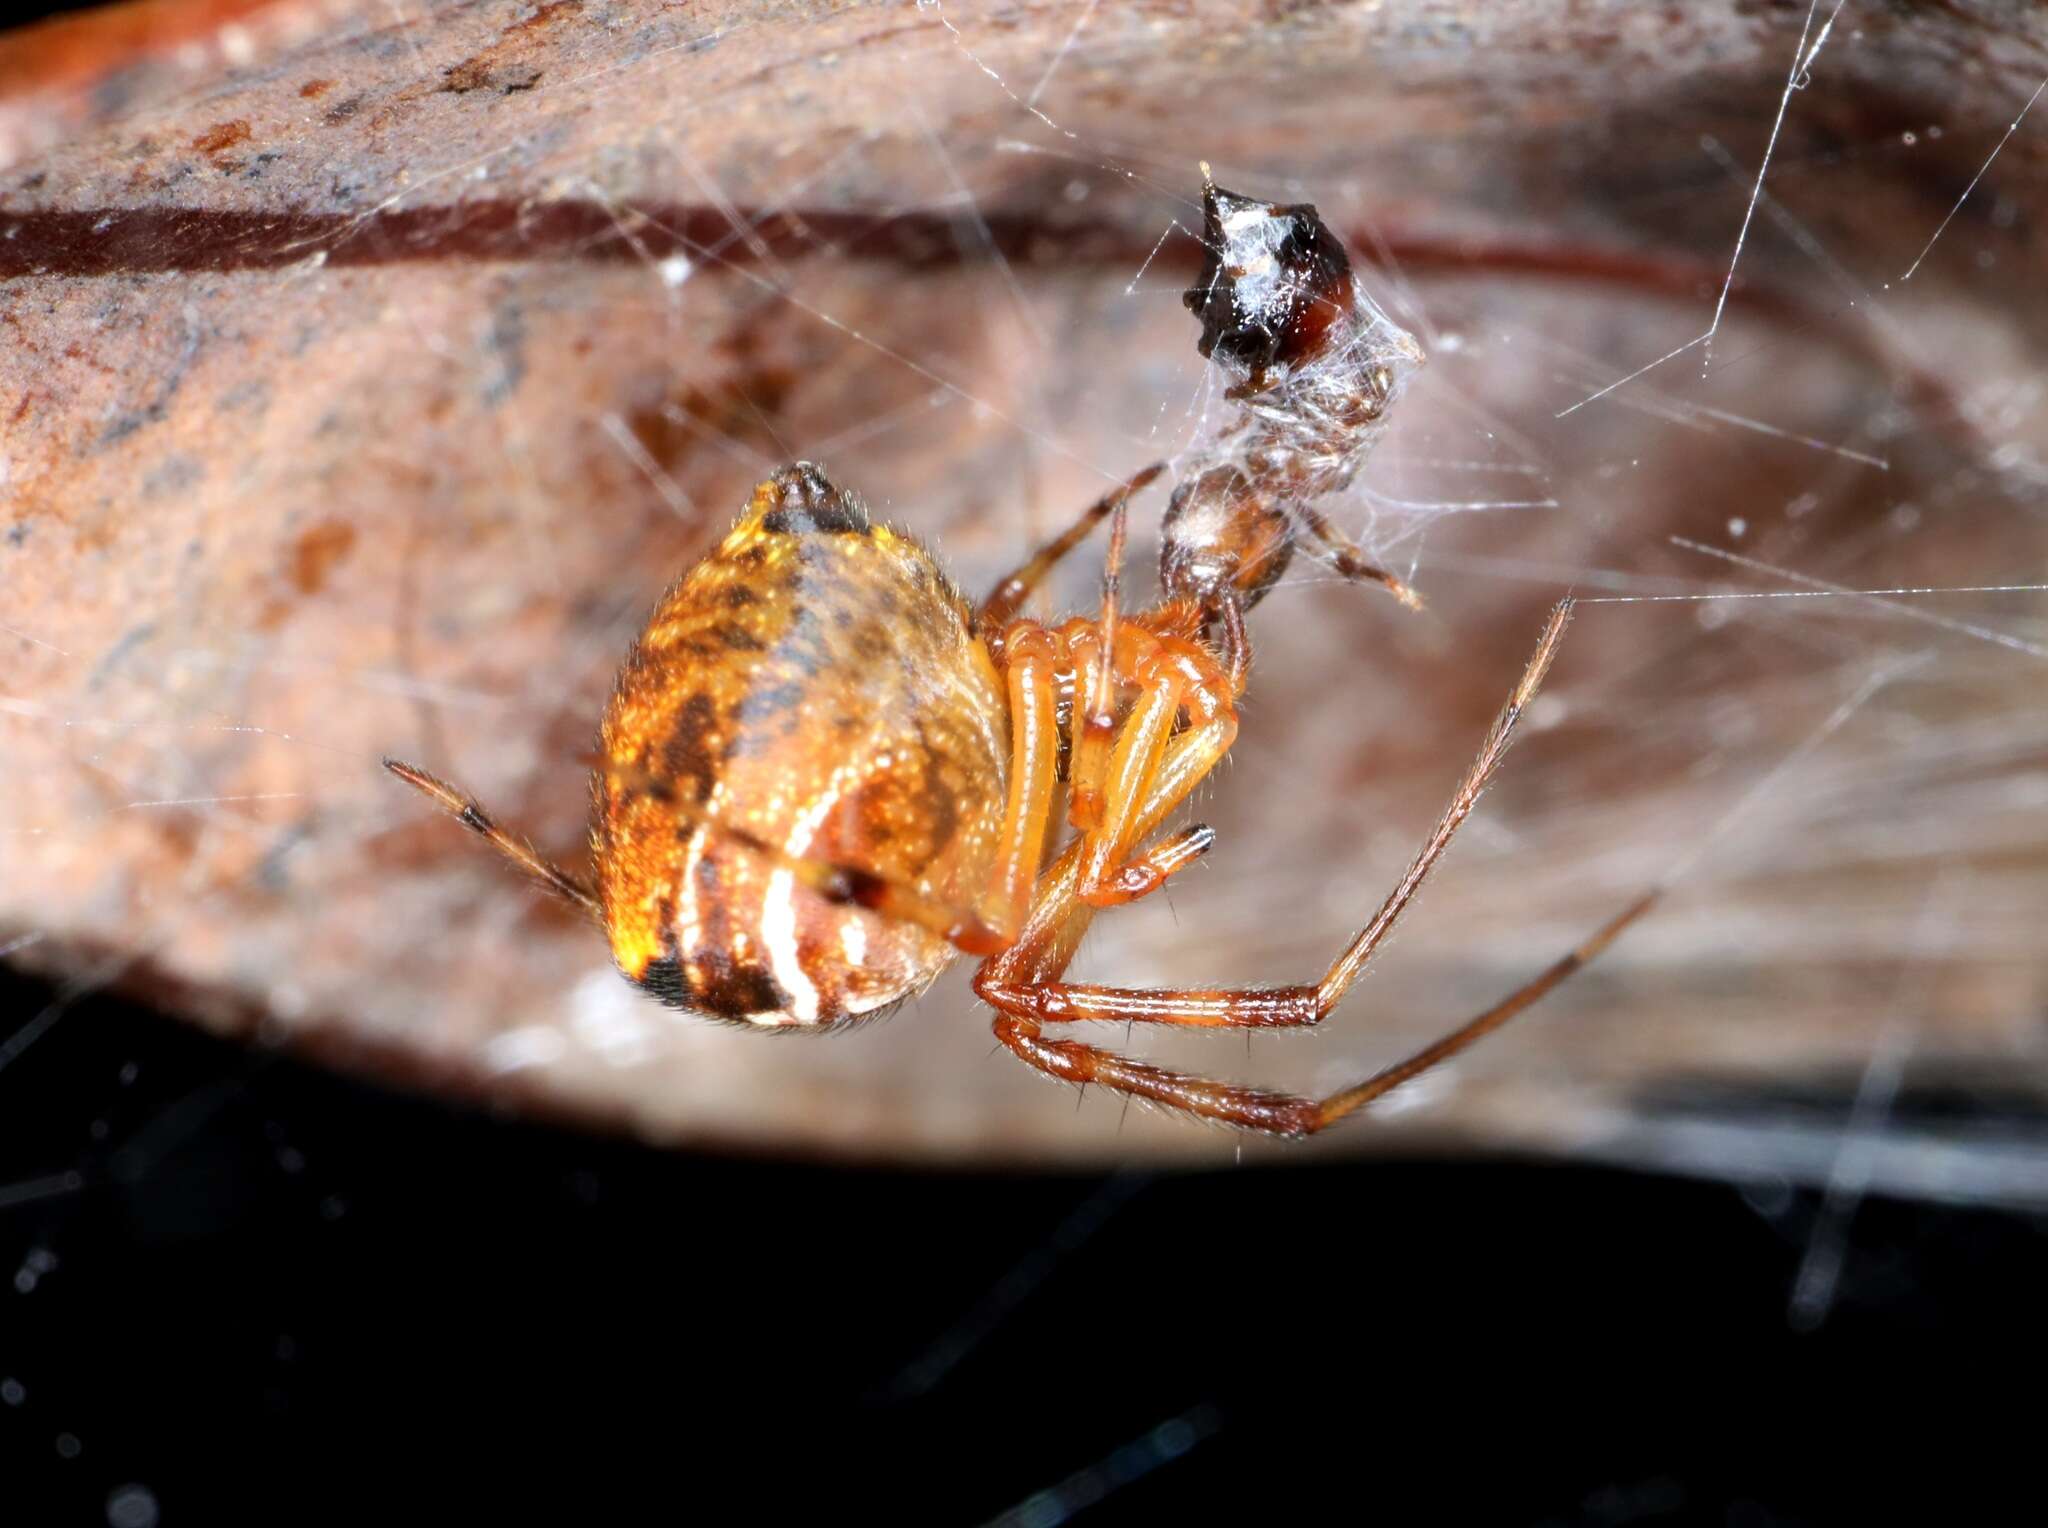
(1349, 559)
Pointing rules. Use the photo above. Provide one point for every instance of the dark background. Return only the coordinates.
(270, 1292)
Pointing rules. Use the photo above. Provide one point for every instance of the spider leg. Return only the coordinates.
(1249, 1108)
(1173, 676)
(1126, 772)
(1115, 871)
(1491, 752)
(1024, 984)
(465, 809)
(1237, 642)
(1010, 592)
(1145, 872)
(1094, 723)
(1030, 661)
(1058, 918)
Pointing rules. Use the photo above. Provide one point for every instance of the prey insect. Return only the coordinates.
(824, 773)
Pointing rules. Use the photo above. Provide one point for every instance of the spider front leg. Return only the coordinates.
(1024, 983)
(1173, 676)
(1031, 658)
(1095, 687)
(1115, 872)
(1010, 592)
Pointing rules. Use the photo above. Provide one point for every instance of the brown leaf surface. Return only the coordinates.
(367, 372)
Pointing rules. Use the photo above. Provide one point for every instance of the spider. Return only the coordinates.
(823, 773)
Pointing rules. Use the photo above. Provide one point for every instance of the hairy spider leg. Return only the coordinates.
(1173, 676)
(1030, 659)
(465, 809)
(1023, 983)
(1058, 919)
(1237, 642)
(1095, 692)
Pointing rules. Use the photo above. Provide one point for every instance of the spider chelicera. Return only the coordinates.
(824, 774)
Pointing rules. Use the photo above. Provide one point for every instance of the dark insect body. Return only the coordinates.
(1315, 365)
(823, 773)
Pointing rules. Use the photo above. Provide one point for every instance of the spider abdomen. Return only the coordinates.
(810, 695)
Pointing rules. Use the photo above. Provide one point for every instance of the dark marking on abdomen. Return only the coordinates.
(737, 637)
(730, 990)
(686, 754)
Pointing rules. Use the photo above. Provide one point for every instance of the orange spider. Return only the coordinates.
(824, 774)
